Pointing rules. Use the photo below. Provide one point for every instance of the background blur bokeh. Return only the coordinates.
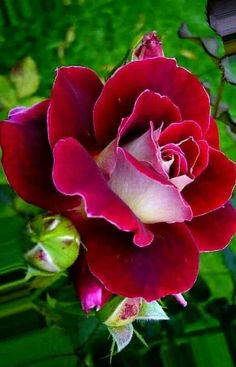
(37, 36)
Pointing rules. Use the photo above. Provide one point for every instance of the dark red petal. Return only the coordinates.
(76, 173)
(168, 266)
(27, 159)
(70, 114)
(160, 75)
(214, 230)
(213, 188)
(89, 289)
(212, 135)
(175, 133)
(150, 106)
(191, 152)
(202, 159)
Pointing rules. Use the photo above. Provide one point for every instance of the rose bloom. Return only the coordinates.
(135, 163)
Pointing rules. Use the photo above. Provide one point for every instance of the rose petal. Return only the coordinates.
(213, 188)
(145, 149)
(168, 266)
(212, 135)
(191, 152)
(181, 181)
(74, 93)
(76, 173)
(202, 159)
(179, 163)
(90, 290)
(152, 198)
(214, 230)
(149, 106)
(177, 132)
(27, 159)
(160, 75)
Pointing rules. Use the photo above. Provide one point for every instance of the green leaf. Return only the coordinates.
(228, 65)
(216, 274)
(122, 335)
(227, 138)
(45, 347)
(152, 311)
(210, 44)
(8, 95)
(25, 77)
(11, 235)
(71, 308)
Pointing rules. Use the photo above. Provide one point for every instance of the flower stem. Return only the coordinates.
(219, 96)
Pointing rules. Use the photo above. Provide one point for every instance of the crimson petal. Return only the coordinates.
(214, 230)
(213, 188)
(27, 159)
(212, 135)
(160, 75)
(168, 266)
(90, 290)
(74, 93)
(76, 173)
(177, 132)
(150, 106)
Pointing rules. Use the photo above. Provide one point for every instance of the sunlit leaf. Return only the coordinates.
(25, 77)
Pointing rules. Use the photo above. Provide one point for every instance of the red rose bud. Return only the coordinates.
(57, 244)
(149, 47)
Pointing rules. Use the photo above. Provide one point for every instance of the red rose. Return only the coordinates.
(135, 163)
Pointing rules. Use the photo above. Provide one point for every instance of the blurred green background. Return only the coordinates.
(47, 328)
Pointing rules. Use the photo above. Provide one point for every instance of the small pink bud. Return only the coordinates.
(149, 47)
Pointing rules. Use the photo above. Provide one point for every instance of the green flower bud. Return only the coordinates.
(57, 244)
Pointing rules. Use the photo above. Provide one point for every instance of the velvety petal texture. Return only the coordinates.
(70, 113)
(214, 231)
(27, 159)
(213, 188)
(72, 173)
(160, 75)
(168, 266)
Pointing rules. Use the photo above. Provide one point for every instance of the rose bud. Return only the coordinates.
(149, 47)
(57, 244)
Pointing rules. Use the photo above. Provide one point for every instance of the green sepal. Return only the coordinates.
(122, 335)
(151, 311)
